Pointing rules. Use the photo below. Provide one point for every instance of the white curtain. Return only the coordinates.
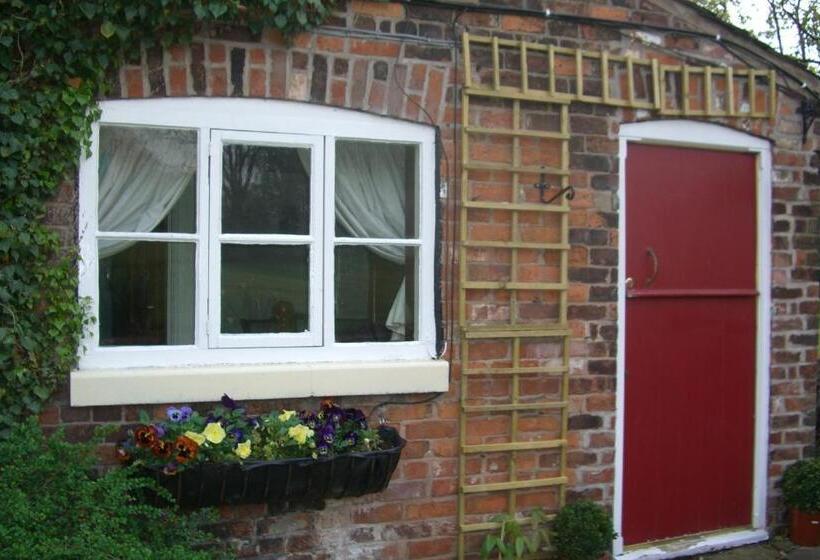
(144, 174)
(370, 202)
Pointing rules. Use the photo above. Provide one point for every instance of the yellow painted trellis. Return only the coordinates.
(507, 77)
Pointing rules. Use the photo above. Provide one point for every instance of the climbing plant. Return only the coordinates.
(57, 57)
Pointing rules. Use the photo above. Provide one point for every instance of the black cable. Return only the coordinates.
(431, 398)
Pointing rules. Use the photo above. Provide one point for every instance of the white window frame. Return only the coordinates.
(314, 240)
(145, 374)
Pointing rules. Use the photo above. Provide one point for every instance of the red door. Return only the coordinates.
(690, 341)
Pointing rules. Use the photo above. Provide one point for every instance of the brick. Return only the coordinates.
(431, 547)
(380, 513)
(217, 53)
(178, 80)
(584, 422)
(318, 84)
(133, 83)
(359, 84)
(380, 9)
(218, 81)
(431, 429)
(330, 44)
(374, 48)
(257, 86)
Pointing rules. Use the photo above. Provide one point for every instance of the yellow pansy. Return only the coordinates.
(243, 449)
(214, 432)
(286, 415)
(300, 433)
(198, 438)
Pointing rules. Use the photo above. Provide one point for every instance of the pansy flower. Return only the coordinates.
(185, 449)
(237, 434)
(351, 438)
(309, 419)
(243, 450)
(228, 402)
(174, 414)
(162, 448)
(170, 469)
(357, 416)
(186, 411)
(327, 433)
(145, 436)
(214, 432)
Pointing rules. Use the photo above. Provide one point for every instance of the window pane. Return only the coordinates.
(376, 190)
(147, 179)
(375, 293)
(265, 189)
(147, 293)
(264, 288)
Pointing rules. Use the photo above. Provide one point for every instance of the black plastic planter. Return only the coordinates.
(287, 484)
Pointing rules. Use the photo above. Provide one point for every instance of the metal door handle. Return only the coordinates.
(655, 265)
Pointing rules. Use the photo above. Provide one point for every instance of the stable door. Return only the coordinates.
(691, 305)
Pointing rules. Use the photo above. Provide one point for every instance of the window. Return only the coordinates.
(228, 232)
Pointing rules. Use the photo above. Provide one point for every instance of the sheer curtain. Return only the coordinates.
(144, 174)
(370, 202)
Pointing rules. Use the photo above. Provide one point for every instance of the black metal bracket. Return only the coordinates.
(807, 110)
(568, 191)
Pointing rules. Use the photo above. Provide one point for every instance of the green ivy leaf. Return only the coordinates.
(107, 29)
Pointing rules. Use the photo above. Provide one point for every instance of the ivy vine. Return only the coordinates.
(57, 58)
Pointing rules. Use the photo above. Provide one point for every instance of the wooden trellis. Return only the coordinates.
(513, 276)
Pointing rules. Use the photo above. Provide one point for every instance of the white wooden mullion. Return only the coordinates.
(266, 239)
(203, 248)
(329, 262)
(88, 264)
(214, 308)
(148, 236)
(376, 241)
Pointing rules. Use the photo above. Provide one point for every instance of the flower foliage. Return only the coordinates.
(801, 485)
(56, 59)
(54, 505)
(229, 434)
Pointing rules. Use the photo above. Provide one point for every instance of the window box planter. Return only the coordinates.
(297, 483)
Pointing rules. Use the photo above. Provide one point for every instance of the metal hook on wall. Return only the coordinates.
(568, 191)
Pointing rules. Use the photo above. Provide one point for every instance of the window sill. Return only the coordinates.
(250, 382)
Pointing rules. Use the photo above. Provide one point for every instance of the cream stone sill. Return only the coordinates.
(271, 381)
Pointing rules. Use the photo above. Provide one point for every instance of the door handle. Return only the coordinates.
(655, 265)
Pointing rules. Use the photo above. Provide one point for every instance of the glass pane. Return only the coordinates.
(147, 179)
(265, 189)
(375, 293)
(376, 190)
(264, 288)
(146, 293)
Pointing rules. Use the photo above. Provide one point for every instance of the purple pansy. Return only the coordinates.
(326, 433)
(309, 419)
(357, 416)
(174, 414)
(237, 434)
(160, 430)
(351, 438)
(169, 469)
(228, 402)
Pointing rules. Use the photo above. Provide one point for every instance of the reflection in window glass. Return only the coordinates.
(264, 288)
(265, 189)
(147, 294)
(376, 190)
(375, 293)
(147, 179)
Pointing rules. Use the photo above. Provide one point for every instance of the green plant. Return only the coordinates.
(228, 434)
(801, 485)
(510, 543)
(582, 531)
(56, 59)
(54, 505)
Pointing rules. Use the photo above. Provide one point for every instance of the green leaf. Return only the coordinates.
(144, 418)
(519, 547)
(107, 29)
(218, 9)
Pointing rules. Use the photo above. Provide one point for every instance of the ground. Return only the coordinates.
(776, 549)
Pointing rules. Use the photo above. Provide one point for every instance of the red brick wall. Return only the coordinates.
(344, 65)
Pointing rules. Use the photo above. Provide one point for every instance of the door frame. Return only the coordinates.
(693, 134)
